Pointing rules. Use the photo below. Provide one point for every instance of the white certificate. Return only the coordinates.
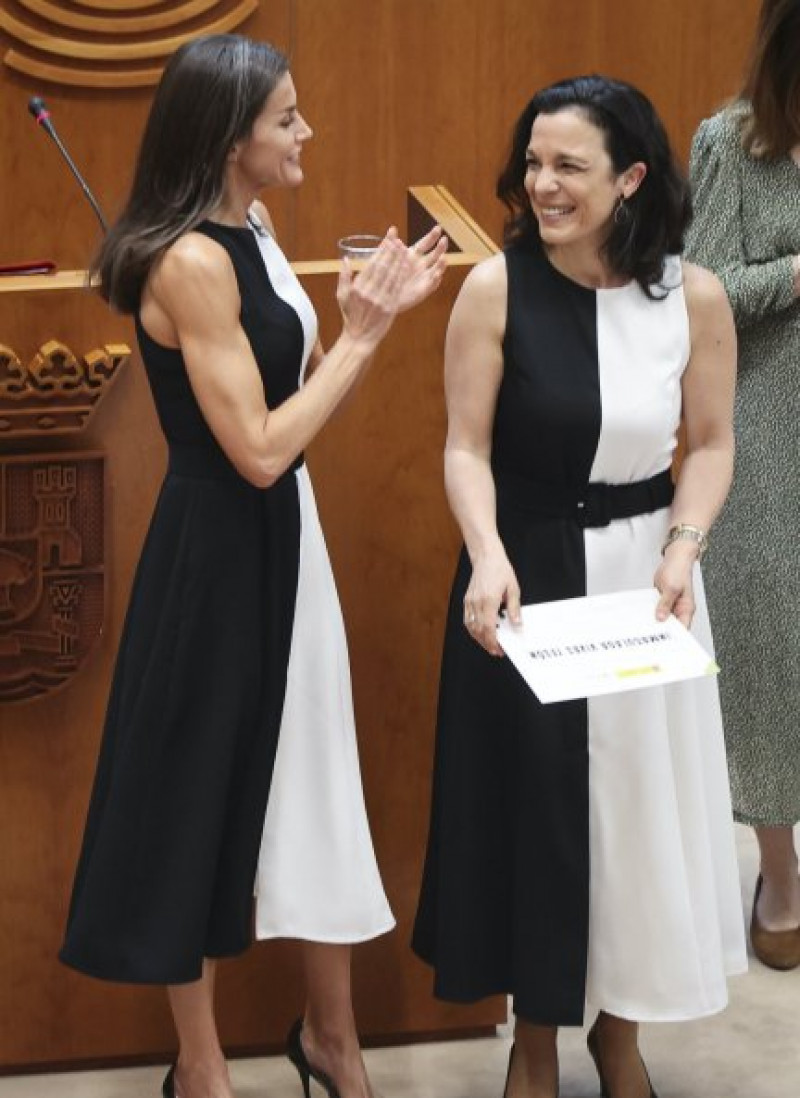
(601, 644)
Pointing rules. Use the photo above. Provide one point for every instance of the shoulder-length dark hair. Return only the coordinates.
(656, 215)
(208, 99)
(772, 86)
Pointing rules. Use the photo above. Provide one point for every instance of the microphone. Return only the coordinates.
(38, 108)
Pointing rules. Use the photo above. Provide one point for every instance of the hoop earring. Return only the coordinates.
(622, 213)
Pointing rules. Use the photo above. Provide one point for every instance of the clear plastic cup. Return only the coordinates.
(359, 245)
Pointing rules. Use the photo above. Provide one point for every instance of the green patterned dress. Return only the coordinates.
(747, 230)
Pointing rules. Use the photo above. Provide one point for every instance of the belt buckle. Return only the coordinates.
(592, 507)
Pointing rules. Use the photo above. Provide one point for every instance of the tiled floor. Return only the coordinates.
(752, 1050)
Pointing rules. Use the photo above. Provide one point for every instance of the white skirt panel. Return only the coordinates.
(665, 925)
(317, 876)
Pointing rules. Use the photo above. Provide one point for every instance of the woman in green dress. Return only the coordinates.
(745, 171)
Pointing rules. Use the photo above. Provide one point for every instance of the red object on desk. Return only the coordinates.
(33, 267)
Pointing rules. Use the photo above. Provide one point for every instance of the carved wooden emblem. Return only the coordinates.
(51, 569)
(56, 392)
(109, 43)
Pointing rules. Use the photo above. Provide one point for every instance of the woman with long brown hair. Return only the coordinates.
(229, 762)
(745, 170)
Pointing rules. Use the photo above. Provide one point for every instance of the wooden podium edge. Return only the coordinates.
(434, 204)
(427, 205)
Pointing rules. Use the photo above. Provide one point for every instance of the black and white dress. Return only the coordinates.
(581, 854)
(229, 763)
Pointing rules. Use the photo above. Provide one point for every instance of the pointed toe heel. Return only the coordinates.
(297, 1054)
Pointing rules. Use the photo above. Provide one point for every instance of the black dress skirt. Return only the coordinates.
(166, 872)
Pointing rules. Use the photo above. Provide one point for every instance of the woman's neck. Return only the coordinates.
(233, 207)
(585, 266)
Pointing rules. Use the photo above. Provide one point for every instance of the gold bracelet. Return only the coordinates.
(685, 531)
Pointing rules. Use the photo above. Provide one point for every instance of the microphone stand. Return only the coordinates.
(42, 115)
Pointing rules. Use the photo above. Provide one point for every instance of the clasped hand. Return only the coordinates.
(395, 279)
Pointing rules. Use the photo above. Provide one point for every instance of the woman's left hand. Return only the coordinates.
(673, 579)
(426, 269)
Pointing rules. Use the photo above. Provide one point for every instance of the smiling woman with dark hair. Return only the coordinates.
(581, 854)
(651, 222)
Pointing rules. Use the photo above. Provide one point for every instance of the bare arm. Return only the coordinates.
(194, 288)
(707, 468)
(473, 372)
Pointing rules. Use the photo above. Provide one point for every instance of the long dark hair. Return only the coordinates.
(772, 85)
(654, 218)
(208, 99)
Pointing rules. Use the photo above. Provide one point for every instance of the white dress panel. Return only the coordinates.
(665, 924)
(317, 877)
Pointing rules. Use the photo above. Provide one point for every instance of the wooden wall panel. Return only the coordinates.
(688, 57)
(399, 92)
(417, 92)
(42, 211)
(410, 91)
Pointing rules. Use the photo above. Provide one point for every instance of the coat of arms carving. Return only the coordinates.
(52, 579)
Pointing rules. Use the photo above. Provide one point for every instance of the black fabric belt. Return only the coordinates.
(205, 463)
(589, 504)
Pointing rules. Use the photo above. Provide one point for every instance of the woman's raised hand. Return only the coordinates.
(395, 279)
(427, 267)
(369, 301)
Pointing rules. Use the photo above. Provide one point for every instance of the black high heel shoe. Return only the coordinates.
(168, 1086)
(594, 1048)
(306, 1071)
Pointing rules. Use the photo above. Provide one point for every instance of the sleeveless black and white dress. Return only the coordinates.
(229, 763)
(581, 854)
